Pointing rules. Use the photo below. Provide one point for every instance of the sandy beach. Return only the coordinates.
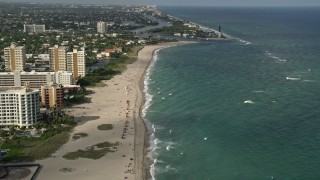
(119, 103)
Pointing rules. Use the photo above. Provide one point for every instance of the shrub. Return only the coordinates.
(105, 127)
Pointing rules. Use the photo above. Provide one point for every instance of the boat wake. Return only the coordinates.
(278, 59)
(293, 78)
(248, 102)
(259, 91)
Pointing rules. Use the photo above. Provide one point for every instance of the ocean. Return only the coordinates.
(243, 109)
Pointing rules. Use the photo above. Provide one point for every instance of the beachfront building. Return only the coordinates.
(51, 96)
(101, 27)
(64, 78)
(76, 63)
(35, 79)
(14, 57)
(19, 106)
(34, 28)
(58, 58)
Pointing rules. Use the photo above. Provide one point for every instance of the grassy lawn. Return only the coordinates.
(33, 148)
(93, 152)
(105, 127)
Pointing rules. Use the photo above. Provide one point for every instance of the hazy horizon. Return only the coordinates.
(177, 2)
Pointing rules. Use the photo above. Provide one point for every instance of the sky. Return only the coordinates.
(185, 2)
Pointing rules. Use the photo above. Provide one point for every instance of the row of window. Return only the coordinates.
(17, 122)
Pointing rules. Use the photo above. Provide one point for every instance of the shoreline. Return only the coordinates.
(119, 103)
(142, 163)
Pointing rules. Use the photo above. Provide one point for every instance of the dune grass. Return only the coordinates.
(30, 149)
(105, 127)
(92, 152)
(79, 135)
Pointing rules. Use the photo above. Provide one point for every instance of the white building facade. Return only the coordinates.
(101, 27)
(35, 79)
(19, 106)
(64, 78)
(34, 28)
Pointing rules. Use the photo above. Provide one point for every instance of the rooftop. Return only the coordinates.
(21, 89)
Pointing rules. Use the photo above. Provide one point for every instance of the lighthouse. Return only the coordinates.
(219, 34)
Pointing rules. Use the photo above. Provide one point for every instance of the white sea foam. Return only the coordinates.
(243, 42)
(248, 102)
(148, 96)
(152, 154)
(153, 169)
(154, 142)
(153, 128)
(147, 104)
(170, 145)
(170, 168)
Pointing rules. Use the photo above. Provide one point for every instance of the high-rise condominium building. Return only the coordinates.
(34, 28)
(101, 27)
(19, 106)
(51, 96)
(76, 63)
(14, 57)
(58, 58)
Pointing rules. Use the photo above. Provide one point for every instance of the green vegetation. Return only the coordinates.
(105, 127)
(117, 65)
(79, 135)
(55, 132)
(177, 27)
(93, 152)
(183, 27)
(32, 148)
(77, 96)
(107, 145)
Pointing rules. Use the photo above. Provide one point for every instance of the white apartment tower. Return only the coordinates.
(34, 28)
(101, 27)
(76, 63)
(14, 57)
(19, 106)
(58, 58)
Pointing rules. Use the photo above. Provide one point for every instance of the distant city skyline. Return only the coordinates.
(184, 2)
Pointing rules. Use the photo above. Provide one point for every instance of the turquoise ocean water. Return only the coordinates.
(247, 108)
